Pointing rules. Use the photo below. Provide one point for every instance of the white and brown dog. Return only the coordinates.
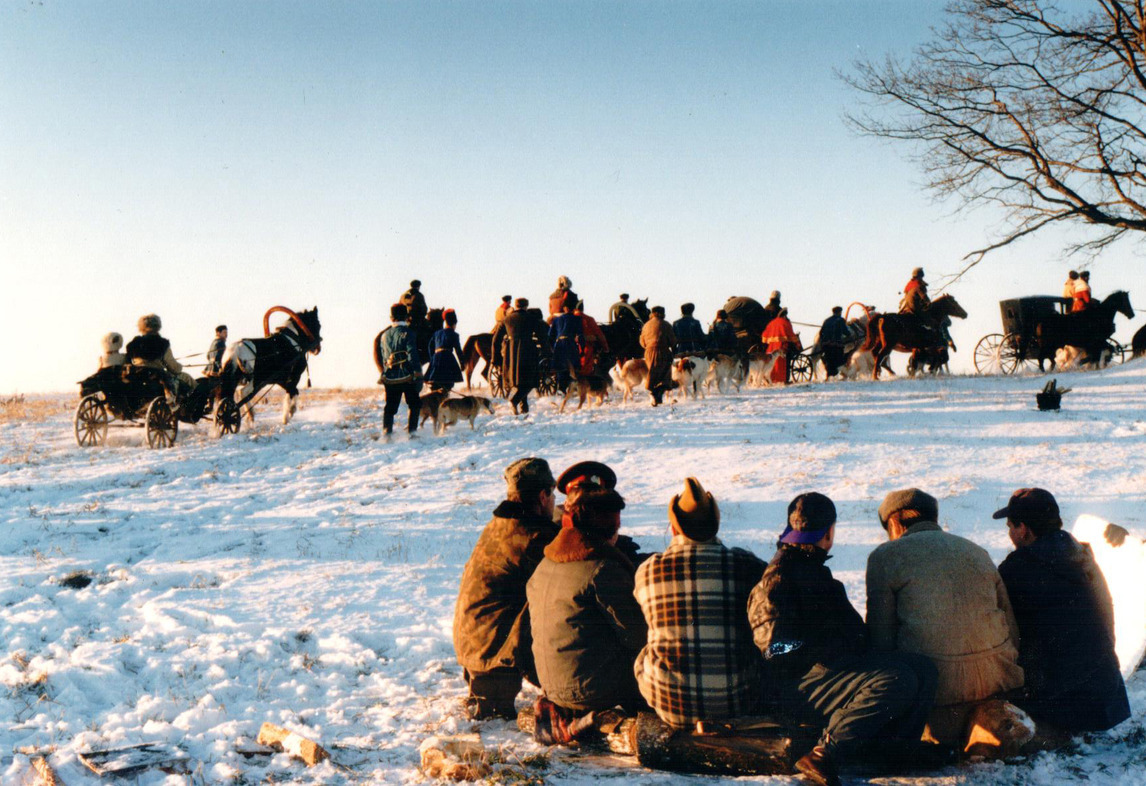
(586, 387)
(453, 410)
(760, 365)
(725, 370)
(688, 373)
(633, 374)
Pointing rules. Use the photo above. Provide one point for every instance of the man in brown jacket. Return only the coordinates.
(936, 594)
(658, 340)
(491, 621)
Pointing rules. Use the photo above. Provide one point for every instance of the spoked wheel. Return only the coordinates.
(801, 368)
(497, 382)
(161, 425)
(1113, 353)
(228, 418)
(1009, 360)
(546, 380)
(987, 355)
(91, 422)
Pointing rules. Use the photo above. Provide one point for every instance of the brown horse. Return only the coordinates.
(477, 347)
(909, 332)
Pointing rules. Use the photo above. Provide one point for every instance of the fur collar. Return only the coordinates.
(571, 545)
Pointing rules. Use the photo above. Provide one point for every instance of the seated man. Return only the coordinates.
(936, 594)
(1066, 620)
(216, 351)
(491, 622)
(587, 626)
(722, 335)
(816, 652)
(700, 662)
(154, 351)
(112, 343)
(690, 338)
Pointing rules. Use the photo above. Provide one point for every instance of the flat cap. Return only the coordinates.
(529, 474)
(908, 499)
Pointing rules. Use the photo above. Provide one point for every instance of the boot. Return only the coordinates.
(819, 767)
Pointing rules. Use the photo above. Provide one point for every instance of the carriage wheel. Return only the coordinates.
(1009, 362)
(162, 427)
(496, 386)
(801, 368)
(1113, 353)
(546, 380)
(228, 417)
(987, 356)
(91, 421)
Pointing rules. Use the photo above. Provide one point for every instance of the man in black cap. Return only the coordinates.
(690, 338)
(834, 335)
(503, 308)
(491, 622)
(622, 310)
(816, 653)
(215, 352)
(415, 303)
(1066, 620)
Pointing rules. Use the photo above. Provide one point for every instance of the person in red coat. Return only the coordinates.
(780, 337)
(593, 342)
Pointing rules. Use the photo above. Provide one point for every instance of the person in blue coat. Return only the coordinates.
(445, 355)
(566, 334)
(690, 338)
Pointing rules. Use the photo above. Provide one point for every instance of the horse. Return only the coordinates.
(1088, 330)
(424, 331)
(857, 333)
(251, 364)
(624, 334)
(909, 332)
(477, 347)
(1138, 343)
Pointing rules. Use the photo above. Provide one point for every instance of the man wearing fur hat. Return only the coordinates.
(936, 594)
(658, 341)
(587, 627)
(772, 309)
(562, 297)
(112, 343)
(690, 338)
(816, 651)
(699, 662)
(491, 620)
(154, 351)
(1066, 620)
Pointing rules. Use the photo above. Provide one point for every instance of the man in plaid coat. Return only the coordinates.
(700, 662)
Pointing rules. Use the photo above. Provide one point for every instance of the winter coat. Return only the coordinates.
(939, 595)
(915, 299)
(616, 310)
(771, 311)
(215, 356)
(1081, 296)
(779, 336)
(565, 337)
(690, 338)
(801, 616)
(516, 350)
(1066, 628)
(153, 351)
(491, 621)
(499, 314)
(658, 340)
(722, 338)
(415, 303)
(593, 345)
(445, 358)
(559, 299)
(835, 331)
(587, 626)
(700, 662)
(395, 340)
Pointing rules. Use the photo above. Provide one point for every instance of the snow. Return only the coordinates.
(306, 575)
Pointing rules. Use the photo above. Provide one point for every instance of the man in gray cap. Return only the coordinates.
(936, 594)
(491, 622)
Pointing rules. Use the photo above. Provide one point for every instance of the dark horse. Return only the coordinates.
(251, 364)
(1088, 330)
(917, 334)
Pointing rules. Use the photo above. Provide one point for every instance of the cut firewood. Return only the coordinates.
(292, 743)
(129, 760)
(47, 776)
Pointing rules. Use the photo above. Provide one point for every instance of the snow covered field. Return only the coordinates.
(306, 575)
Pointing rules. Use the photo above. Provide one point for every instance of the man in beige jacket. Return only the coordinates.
(936, 594)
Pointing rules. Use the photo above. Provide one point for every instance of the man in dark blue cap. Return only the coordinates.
(815, 647)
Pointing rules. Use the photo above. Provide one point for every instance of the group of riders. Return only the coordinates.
(705, 635)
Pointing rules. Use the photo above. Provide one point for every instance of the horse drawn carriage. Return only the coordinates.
(748, 319)
(1035, 327)
(151, 399)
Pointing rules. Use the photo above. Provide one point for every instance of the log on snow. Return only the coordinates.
(291, 743)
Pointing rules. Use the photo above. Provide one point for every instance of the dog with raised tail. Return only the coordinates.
(588, 387)
(723, 371)
(453, 410)
(760, 364)
(633, 374)
(688, 373)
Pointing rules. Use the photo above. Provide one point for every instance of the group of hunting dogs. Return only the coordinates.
(955, 656)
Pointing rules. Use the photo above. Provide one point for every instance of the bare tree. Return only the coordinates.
(1023, 105)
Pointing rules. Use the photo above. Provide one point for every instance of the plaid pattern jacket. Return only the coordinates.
(700, 662)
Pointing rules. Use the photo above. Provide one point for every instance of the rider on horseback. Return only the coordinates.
(415, 303)
(622, 307)
(915, 299)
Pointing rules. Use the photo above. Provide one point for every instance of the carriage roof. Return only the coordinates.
(1021, 312)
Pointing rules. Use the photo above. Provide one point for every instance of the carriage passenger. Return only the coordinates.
(690, 338)
(503, 308)
(772, 310)
(622, 310)
(154, 351)
(834, 336)
(111, 356)
(445, 355)
(780, 337)
(722, 335)
(1081, 292)
(563, 296)
(1069, 285)
(216, 351)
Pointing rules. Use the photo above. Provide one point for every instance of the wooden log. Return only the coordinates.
(47, 776)
(293, 744)
(746, 747)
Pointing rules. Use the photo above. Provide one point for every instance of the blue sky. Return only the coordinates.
(208, 160)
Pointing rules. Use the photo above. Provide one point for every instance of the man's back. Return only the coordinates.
(700, 662)
(939, 595)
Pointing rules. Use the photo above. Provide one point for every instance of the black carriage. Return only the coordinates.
(547, 384)
(748, 319)
(1010, 352)
(141, 397)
